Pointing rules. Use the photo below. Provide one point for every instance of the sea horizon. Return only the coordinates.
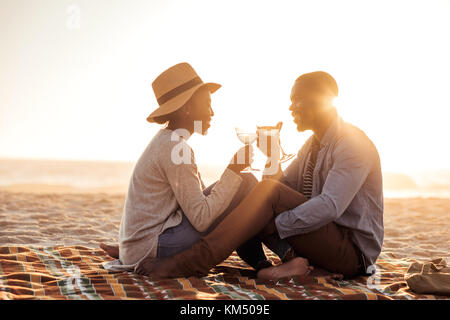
(113, 176)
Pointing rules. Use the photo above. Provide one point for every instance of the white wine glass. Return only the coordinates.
(267, 130)
(247, 137)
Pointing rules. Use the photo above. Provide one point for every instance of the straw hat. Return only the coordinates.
(175, 86)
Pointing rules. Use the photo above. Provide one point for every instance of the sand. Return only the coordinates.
(48, 219)
(417, 228)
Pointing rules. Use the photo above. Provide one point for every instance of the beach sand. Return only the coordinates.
(417, 228)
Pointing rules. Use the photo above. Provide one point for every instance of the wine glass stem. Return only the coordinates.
(250, 168)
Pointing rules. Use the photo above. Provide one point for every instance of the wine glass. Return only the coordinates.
(247, 137)
(268, 130)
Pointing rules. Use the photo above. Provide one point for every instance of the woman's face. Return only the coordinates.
(200, 110)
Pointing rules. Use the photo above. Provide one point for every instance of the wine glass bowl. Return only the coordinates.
(274, 131)
(246, 137)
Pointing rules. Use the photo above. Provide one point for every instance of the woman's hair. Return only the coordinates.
(165, 119)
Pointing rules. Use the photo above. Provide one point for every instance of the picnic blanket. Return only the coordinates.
(75, 272)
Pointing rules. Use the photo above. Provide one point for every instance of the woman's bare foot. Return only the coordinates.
(295, 267)
(112, 251)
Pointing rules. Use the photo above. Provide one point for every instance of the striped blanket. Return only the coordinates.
(75, 272)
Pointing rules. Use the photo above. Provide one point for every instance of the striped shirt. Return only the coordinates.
(309, 169)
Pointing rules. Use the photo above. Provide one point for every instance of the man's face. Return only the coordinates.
(303, 107)
(201, 109)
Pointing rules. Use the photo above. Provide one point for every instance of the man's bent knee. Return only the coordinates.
(249, 179)
(267, 184)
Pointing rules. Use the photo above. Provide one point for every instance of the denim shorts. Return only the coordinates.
(177, 239)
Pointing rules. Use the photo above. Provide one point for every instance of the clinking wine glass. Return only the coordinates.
(267, 130)
(247, 137)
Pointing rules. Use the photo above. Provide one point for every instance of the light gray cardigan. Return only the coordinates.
(162, 189)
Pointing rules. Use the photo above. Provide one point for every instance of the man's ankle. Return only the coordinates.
(289, 255)
(263, 264)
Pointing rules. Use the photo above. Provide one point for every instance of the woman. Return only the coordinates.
(167, 208)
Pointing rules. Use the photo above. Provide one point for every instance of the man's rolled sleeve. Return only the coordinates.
(305, 218)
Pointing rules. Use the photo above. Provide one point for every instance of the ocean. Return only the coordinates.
(109, 175)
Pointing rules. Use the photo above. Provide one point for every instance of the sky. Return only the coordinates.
(75, 76)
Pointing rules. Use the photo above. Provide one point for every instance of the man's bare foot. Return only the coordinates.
(112, 251)
(295, 267)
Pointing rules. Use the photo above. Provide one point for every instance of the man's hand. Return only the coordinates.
(242, 159)
(269, 139)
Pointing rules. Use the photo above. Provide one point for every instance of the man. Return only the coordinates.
(328, 206)
(339, 170)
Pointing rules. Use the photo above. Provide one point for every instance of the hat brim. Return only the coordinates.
(176, 103)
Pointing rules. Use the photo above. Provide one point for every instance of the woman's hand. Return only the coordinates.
(242, 159)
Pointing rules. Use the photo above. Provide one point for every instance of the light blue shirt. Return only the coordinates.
(347, 189)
